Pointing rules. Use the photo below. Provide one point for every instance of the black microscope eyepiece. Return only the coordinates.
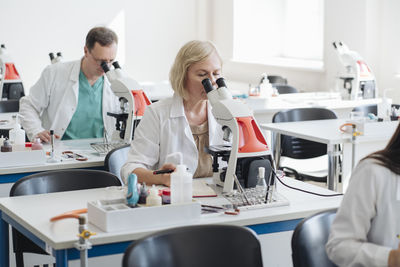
(116, 65)
(104, 66)
(207, 85)
(221, 82)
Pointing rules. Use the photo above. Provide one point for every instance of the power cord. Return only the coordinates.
(302, 190)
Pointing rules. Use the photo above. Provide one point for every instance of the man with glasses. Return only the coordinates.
(73, 98)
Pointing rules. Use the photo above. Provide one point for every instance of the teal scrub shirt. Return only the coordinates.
(87, 121)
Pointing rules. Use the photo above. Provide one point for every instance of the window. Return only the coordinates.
(278, 32)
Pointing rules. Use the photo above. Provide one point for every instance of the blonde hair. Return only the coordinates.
(192, 52)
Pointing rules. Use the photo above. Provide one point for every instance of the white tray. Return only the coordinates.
(114, 215)
(22, 158)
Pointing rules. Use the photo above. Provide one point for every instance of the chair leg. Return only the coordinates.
(19, 259)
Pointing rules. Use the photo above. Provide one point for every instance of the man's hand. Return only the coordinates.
(45, 136)
(394, 257)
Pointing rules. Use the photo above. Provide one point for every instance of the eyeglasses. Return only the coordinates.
(99, 61)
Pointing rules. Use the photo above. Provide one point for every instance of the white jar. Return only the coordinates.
(153, 199)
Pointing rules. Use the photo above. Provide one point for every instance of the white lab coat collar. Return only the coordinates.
(76, 68)
(177, 109)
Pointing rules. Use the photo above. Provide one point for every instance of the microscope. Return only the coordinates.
(55, 58)
(132, 102)
(11, 87)
(248, 150)
(357, 81)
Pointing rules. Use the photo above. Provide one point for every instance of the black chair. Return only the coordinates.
(365, 109)
(115, 159)
(285, 89)
(9, 106)
(297, 148)
(54, 181)
(195, 246)
(276, 79)
(309, 239)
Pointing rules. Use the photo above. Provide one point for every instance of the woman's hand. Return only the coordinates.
(166, 177)
(394, 257)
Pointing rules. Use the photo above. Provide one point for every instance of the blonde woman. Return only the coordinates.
(182, 123)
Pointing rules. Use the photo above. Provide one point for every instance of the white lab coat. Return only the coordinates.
(368, 220)
(52, 101)
(163, 130)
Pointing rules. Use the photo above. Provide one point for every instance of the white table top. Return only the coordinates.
(327, 131)
(80, 146)
(306, 100)
(29, 212)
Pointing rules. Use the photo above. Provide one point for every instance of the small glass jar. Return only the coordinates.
(166, 196)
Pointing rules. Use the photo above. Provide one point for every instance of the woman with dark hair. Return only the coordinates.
(366, 228)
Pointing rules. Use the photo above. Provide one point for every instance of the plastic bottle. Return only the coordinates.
(17, 135)
(6, 147)
(37, 144)
(266, 89)
(132, 196)
(143, 194)
(385, 107)
(153, 199)
(261, 186)
(181, 185)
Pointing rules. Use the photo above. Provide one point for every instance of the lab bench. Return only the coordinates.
(273, 225)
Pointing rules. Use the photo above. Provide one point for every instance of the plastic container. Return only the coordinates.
(385, 109)
(6, 147)
(266, 89)
(143, 194)
(37, 144)
(153, 199)
(17, 135)
(133, 194)
(181, 185)
(166, 196)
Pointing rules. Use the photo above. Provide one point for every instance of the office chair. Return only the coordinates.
(309, 239)
(367, 109)
(297, 148)
(54, 181)
(285, 89)
(195, 246)
(276, 79)
(115, 159)
(9, 106)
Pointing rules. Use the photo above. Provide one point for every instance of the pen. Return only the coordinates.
(163, 171)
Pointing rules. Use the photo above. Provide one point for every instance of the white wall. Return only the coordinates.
(367, 26)
(389, 56)
(150, 32)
